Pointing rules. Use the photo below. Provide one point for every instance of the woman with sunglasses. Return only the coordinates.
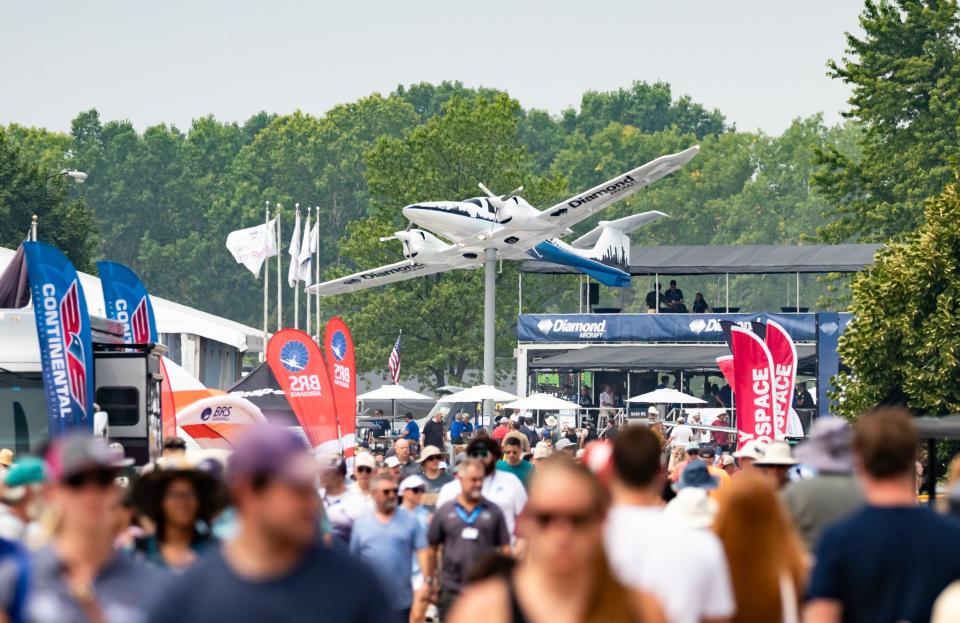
(565, 577)
(182, 501)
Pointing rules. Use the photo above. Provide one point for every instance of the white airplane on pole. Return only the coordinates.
(515, 230)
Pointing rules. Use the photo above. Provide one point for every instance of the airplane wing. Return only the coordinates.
(584, 205)
(391, 273)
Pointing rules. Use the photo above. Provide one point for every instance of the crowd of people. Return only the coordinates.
(513, 526)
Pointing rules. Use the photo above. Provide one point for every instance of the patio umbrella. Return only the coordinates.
(393, 393)
(541, 402)
(479, 394)
(667, 396)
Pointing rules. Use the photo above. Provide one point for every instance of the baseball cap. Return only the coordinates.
(753, 449)
(708, 451)
(332, 463)
(696, 474)
(6, 457)
(412, 482)
(79, 453)
(429, 451)
(392, 461)
(274, 453)
(726, 460)
(541, 452)
(562, 443)
(364, 459)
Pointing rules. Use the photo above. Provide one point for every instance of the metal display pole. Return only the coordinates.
(307, 294)
(266, 284)
(279, 273)
(317, 280)
(798, 292)
(296, 283)
(489, 325)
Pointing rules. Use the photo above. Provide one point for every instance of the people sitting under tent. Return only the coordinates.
(673, 299)
(652, 297)
(700, 305)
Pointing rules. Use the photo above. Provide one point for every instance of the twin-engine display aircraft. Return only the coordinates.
(518, 231)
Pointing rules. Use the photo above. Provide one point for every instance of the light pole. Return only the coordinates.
(77, 176)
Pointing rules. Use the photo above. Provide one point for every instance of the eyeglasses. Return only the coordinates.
(364, 470)
(576, 520)
(388, 491)
(101, 478)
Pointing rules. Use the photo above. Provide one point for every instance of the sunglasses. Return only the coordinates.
(479, 453)
(364, 470)
(417, 490)
(576, 520)
(388, 491)
(101, 478)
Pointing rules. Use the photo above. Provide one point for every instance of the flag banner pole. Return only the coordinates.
(307, 325)
(317, 311)
(295, 268)
(279, 274)
(266, 297)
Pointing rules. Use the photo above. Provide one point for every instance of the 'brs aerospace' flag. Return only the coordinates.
(127, 302)
(341, 365)
(63, 329)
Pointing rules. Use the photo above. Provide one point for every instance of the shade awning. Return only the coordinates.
(392, 392)
(653, 357)
(478, 394)
(736, 259)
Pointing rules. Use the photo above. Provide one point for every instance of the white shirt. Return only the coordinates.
(12, 527)
(343, 509)
(685, 569)
(681, 435)
(502, 488)
(606, 399)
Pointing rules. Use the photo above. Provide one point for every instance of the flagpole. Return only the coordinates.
(279, 274)
(317, 280)
(296, 284)
(266, 283)
(307, 326)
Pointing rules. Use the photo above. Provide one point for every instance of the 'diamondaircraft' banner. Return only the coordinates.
(127, 302)
(63, 329)
(752, 387)
(341, 365)
(296, 362)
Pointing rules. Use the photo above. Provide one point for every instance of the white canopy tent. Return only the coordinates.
(392, 392)
(542, 402)
(667, 396)
(479, 393)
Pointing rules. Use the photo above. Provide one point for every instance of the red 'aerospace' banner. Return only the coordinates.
(752, 387)
(297, 364)
(784, 355)
(341, 365)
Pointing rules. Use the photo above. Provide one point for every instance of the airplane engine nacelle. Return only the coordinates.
(420, 244)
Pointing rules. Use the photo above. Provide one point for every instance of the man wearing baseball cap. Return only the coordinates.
(80, 577)
(274, 569)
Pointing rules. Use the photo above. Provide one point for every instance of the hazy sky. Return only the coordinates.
(761, 62)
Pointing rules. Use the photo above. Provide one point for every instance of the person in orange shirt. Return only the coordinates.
(501, 429)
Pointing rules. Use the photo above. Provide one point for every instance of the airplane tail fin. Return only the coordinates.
(610, 239)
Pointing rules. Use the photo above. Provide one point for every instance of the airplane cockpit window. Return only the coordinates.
(475, 201)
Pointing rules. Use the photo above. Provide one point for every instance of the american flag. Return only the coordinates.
(394, 362)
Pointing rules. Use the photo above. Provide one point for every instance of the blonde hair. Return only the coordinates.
(761, 546)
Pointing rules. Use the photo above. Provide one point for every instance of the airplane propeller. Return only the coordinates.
(499, 199)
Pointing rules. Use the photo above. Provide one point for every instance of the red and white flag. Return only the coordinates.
(753, 387)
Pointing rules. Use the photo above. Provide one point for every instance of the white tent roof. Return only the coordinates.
(667, 396)
(171, 317)
(541, 402)
(393, 392)
(479, 393)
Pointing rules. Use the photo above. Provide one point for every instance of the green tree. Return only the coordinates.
(902, 347)
(28, 188)
(905, 77)
(474, 140)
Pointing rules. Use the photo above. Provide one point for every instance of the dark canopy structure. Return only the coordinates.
(735, 259)
(653, 357)
(262, 389)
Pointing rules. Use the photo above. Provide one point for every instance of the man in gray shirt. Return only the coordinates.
(834, 493)
(466, 528)
(80, 577)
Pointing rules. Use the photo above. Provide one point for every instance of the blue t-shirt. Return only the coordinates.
(886, 564)
(326, 585)
(456, 432)
(388, 548)
(412, 431)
